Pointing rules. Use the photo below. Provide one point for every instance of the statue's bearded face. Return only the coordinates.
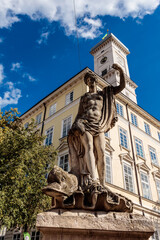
(91, 82)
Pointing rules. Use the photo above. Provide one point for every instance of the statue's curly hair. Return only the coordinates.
(91, 75)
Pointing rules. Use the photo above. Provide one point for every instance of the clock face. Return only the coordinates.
(103, 60)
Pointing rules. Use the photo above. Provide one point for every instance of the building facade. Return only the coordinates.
(132, 146)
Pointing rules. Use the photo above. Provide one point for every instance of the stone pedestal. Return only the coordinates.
(61, 224)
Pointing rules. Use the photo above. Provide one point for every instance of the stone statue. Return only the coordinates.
(84, 187)
(86, 140)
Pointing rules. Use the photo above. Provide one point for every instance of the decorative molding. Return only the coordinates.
(108, 147)
(126, 157)
(63, 145)
(156, 174)
(143, 166)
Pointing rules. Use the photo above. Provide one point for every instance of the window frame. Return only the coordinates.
(38, 119)
(158, 191)
(128, 165)
(150, 194)
(154, 153)
(54, 104)
(147, 128)
(16, 234)
(59, 159)
(62, 136)
(120, 128)
(26, 125)
(110, 159)
(135, 138)
(46, 135)
(120, 110)
(134, 119)
(68, 96)
(158, 133)
(36, 235)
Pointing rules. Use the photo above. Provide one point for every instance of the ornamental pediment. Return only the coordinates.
(143, 166)
(63, 145)
(108, 147)
(156, 174)
(126, 157)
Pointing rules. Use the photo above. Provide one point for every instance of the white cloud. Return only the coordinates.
(43, 38)
(15, 66)
(10, 97)
(62, 11)
(29, 77)
(2, 76)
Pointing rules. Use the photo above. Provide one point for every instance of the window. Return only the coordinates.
(66, 126)
(155, 236)
(147, 129)
(108, 169)
(159, 136)
(26, 125)
(158, 188)
(128, 177)
(35, 235)
(52, 109)
(69, 98)
(49, 136)
(63, 162)
(17, 236)
(104, 72)
(145, 185)
(123, 138)
(38, 118)
(2, 232)
(139, 147)
(119, 109)
(134, 119)
(153, 156)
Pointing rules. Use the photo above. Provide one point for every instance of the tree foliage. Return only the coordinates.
(24, 164)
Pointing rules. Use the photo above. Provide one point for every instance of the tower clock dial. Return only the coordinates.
(103, 60)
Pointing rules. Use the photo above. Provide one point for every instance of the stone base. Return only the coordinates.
(60, 224)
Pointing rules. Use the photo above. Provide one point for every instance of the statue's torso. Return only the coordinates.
(92, 105)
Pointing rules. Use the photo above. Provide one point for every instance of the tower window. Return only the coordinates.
(104, 72)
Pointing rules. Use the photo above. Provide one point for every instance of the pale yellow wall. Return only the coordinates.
(63, 111)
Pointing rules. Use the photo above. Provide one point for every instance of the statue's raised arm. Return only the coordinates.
(122, 84)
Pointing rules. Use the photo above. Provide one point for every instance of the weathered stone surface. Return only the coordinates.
(63, 187)
(79, 224)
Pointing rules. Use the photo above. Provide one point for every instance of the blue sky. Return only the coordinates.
(38, 46)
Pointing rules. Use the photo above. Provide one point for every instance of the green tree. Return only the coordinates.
(24, 165)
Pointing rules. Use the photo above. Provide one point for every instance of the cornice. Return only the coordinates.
(46, 100)
(108, 39)
(71, 82)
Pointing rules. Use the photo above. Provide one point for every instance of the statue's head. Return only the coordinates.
(89, 76)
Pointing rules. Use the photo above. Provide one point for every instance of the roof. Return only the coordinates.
(105, 41)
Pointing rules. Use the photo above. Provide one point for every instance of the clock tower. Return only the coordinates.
(108, 51)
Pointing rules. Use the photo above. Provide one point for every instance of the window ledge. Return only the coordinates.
(122, 147)
(155, 165)
(142, 158)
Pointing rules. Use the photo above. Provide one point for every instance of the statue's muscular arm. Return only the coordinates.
(122, 84)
